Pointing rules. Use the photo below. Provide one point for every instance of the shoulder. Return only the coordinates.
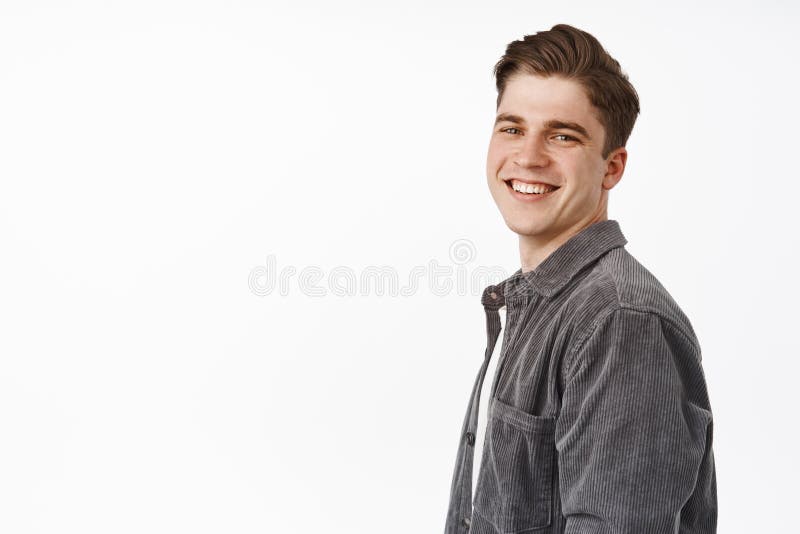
(619, 289)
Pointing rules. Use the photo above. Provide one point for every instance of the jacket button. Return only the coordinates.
(465, 521)
(470, 438)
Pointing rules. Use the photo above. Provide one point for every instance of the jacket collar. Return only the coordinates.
(561, 266)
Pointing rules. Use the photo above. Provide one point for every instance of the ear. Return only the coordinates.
(615, 166)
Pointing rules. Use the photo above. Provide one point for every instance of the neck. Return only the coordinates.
(534, 249)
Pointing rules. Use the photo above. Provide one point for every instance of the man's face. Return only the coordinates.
(547, 132)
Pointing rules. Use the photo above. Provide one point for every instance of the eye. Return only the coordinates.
(566, 137)
(507, 130)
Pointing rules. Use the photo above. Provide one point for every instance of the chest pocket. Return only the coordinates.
(515, 483)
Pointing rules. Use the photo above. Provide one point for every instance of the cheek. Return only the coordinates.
(491, 155)
(492, 165)
(496, 152)
(589, 175)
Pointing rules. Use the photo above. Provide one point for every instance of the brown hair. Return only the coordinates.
(574, 54)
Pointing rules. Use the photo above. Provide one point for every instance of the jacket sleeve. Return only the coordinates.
(634, 432)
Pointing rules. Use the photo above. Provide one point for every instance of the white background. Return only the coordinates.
(153, 155)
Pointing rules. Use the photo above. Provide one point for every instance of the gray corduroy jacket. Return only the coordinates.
(599, 417)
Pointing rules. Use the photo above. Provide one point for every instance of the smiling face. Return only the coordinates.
(547, 132)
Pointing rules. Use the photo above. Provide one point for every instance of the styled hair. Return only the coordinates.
(574, 54)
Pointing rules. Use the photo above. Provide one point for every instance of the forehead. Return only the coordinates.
(538, 99)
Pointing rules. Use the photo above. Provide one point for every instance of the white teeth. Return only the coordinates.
(531, 188)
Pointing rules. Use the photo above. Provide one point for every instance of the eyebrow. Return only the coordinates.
(552, 124)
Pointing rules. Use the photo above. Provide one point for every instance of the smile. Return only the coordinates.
(528, 192)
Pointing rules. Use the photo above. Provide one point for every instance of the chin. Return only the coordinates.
(525, 228)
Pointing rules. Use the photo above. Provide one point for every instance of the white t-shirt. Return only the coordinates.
(483, 409)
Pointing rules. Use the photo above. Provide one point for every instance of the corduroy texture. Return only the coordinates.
(599, 418)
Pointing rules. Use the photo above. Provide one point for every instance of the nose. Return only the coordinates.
(531, 152)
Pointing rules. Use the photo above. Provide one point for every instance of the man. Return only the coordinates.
(598, 417)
